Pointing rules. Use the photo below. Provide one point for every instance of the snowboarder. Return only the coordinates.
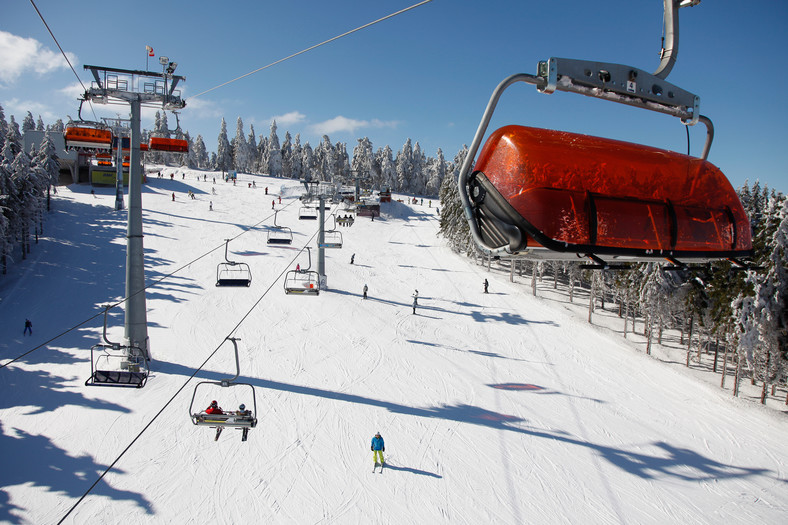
(378, 447)
(352, 258)
(28, 327)
(365, 291)
(486, 285)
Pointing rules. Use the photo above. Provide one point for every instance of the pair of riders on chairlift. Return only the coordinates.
(214, 408)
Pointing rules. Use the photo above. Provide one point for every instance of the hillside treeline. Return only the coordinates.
(737, 316)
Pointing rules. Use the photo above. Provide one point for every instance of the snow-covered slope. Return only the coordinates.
(495, 408)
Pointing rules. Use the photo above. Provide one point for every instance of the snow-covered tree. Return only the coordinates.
(240, 148)
(287, 157)
(308, 162)
(224, 154)
(274, 153)
(362, 158)
(388, 169)
(418, 171)
(436, 173)
(28, 124)
(404, 167)
(297, 158)
(46, 161)
(199, 152)
(251, 143)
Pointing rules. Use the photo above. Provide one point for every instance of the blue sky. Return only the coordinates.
(426, 74)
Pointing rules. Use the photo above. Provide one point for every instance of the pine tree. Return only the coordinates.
(453, 225)
(224, 156)
(404, 163)
(297, 158)
(240, 148)
(47, 162)
(287, 157)
(274, 153)
(388, 169)
(28, 124)
(251, 144)
(437, 173)
(418, 171)
(362, 159)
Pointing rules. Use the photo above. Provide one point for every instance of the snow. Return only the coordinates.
(495, 408)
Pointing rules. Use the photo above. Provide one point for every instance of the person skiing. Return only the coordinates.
(365, 291)
(352, 258)
(298, 267)
(28, 327)
(273, 203)
(378, 448)
(210, 206)
(486, 285)
(266, 190)
(173, 197)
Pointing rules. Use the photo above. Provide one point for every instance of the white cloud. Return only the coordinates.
(19, 55)
(288, 119)
(19, 108)
(340, 124)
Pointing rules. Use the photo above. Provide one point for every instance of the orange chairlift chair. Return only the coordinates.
(554, 195)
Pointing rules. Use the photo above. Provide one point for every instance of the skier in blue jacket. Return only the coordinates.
(377, 448)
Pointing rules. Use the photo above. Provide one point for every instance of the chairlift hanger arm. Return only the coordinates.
(619, 83)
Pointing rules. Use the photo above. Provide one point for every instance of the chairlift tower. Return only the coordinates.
(120, 128)
(321, 239)
(136, 88)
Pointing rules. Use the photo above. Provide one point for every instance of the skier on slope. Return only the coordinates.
(365, 291)
(378, 448)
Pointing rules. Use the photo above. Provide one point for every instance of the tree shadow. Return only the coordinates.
(34, 460)
(680, 463)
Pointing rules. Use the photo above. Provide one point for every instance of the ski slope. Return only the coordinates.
(495, 408)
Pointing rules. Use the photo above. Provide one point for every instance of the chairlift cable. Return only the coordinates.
(63, 53)
(188, 380)
(123, 300)
(314, 47)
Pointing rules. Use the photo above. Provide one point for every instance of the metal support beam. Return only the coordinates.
(119, 176)
(136, 322)
(321, 239)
